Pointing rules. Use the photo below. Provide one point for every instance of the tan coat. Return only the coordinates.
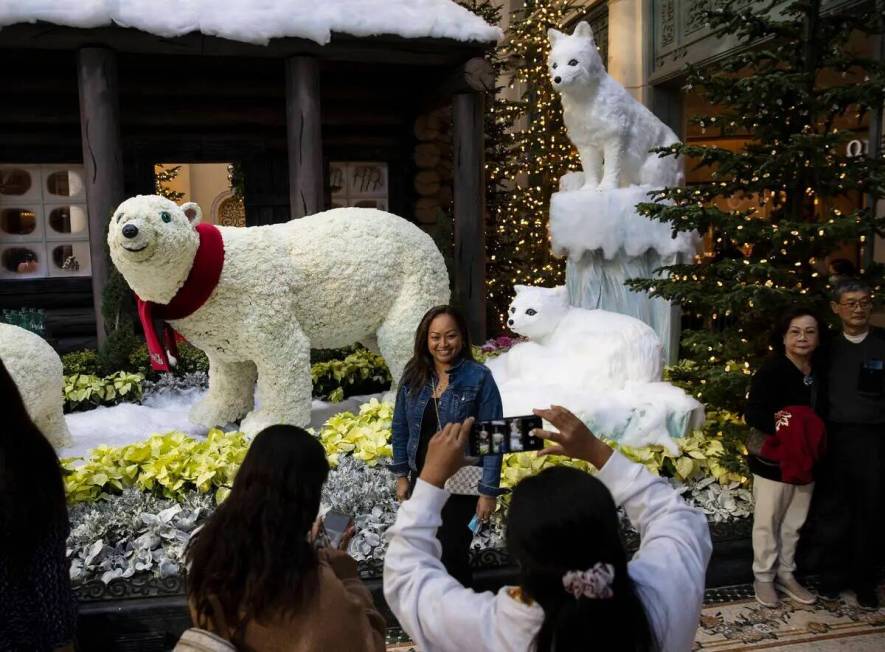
(339, 617)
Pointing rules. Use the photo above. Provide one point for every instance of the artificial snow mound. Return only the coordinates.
(588, 220)
(603, 366)
(323, 281)
(37, 371)
(258, 22)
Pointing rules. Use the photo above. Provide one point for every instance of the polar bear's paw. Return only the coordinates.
(210, 412)
(258, 420)
(55, 429)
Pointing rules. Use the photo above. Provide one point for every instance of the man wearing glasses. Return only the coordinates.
(856, 447)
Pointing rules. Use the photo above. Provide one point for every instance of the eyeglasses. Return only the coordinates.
(863, 304)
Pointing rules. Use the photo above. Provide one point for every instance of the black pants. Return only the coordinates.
(852, 506)
(455, 537)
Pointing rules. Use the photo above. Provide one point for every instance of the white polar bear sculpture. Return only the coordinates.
(38, 373)
(604, 366)
(611, 130)
(325, 281)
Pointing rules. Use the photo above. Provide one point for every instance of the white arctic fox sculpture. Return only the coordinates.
(604, 366)
(611, 130)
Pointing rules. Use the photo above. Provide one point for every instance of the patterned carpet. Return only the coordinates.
(732, 620)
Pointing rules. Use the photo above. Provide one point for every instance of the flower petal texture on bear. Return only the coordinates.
(37, 371)
(323, 281)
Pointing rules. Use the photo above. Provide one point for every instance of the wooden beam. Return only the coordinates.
(475, 75)
(469, 190)
(102, 157)
(304, 135)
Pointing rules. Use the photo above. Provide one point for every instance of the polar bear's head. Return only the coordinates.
(535, 312)
(574, 60)
(153, 242)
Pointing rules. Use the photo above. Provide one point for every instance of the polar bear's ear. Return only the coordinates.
(520, 288)
(554, 35)
(583, 30)
(192, 212)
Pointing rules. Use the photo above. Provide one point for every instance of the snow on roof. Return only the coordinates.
(258, 21)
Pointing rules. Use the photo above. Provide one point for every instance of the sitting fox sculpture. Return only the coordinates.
(611, 130)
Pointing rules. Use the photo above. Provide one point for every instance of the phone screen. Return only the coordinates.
(336, 524)
(508, 435)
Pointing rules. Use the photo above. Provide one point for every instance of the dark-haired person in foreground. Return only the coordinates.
(38, 611)
(577, 590)
(254, 577)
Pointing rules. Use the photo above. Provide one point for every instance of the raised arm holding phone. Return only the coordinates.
(576, 587)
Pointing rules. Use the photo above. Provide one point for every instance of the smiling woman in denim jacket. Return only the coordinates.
(442, 384)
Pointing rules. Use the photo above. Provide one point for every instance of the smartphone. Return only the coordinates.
(475, 524)
(507, 435)
(335, 524)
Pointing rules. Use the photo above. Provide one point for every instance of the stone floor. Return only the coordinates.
(732, 620)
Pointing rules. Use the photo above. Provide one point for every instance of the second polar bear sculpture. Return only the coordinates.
(37, 371)
(257, 299)
(612, 132)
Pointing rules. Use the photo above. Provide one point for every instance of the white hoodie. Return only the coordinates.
(440, 614)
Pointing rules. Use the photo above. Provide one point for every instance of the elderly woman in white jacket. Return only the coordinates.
(577, 591)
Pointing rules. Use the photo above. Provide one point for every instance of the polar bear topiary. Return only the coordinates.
(256, 299)
(604, 366)
(38, 373)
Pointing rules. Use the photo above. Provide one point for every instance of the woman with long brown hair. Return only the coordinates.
(441, 384)
(254, 576)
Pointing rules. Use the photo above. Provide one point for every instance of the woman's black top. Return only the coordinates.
(777, 384)
(429, 427)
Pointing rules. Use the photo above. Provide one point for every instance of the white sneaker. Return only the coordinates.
(765, 593)
(789, 585)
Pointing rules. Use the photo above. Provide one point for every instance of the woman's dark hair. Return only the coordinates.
(565, 520)
(783, 325)
(252, 557)
(419, 369)
(30, 477)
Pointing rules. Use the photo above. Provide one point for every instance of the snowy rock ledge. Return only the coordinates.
(590, 220)
(259, 22)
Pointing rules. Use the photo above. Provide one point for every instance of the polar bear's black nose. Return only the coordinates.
(130, 231)
(557, 79)
(510, 322)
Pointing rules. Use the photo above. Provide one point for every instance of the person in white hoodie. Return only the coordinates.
(577, 591)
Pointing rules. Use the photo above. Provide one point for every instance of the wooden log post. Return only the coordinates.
(102, 157)
(303, 127)
(469, 191)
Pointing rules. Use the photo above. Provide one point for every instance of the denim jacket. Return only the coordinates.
(472, 392)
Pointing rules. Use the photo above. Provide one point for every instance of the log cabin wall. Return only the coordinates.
(219, 109)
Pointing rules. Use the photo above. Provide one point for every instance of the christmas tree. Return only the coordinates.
(527, 150)
(162, 177)
(795, 95)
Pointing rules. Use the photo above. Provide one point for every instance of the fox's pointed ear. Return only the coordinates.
(583, 30)
(554, 35)
(520, 288)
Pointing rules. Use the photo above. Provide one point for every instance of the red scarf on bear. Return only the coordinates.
(199, 284)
